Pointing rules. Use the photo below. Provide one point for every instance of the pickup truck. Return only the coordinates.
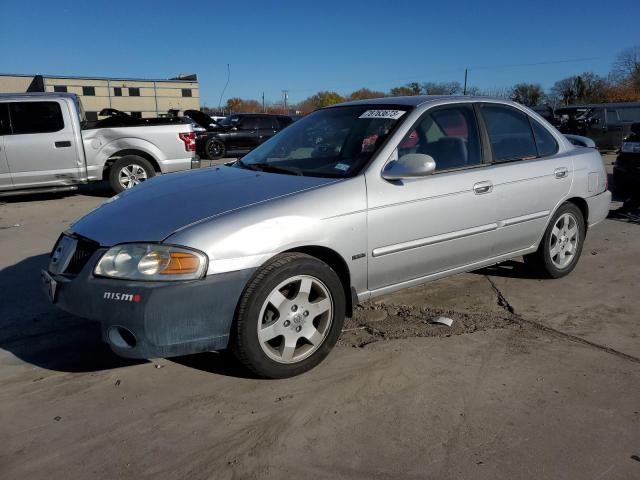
(46, 144)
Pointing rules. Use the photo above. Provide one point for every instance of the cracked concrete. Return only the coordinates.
(536, 379)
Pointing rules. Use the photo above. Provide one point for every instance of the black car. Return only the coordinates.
(236, 134)
(626, 170)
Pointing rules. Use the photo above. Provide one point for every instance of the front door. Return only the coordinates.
(246, 137)
(423, 226)
(41, 149)
(267, 128)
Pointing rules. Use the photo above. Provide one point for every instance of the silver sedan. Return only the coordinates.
(267, 256)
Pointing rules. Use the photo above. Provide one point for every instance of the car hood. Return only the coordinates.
(202, 119)
(158, 207)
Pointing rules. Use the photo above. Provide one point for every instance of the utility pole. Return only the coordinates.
(285, 97)
(464, 91)
(263, 109)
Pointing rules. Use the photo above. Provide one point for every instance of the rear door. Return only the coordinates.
(5, 174)
(41, 149)
(613, 128)
(530, 179)
(267, 127)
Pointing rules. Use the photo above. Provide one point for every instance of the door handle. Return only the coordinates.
(561, 172)
(483, 187)
(62, 144)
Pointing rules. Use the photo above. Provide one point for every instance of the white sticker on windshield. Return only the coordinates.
(392, 114)
(342, 166)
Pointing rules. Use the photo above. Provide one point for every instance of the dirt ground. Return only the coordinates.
(536, 379)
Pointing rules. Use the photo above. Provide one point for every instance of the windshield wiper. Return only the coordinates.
(266, 167)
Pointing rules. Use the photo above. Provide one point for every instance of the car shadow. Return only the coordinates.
(510, 269)
(38, 333)
(220, 363)
(94, 189)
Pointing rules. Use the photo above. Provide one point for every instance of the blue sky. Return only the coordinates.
(306, 46)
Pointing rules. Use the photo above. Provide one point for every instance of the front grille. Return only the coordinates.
(84, 249)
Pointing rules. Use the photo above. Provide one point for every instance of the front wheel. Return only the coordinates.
(561, 244)
(289, 316)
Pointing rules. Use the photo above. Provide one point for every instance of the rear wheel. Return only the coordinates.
(289, 317)
(215, 149)
(561, 244)
(129, 171)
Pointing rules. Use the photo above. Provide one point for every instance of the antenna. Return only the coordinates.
(225, 85)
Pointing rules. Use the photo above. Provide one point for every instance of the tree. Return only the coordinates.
(319, 100)
(442, 88)
(409, 89)
(627, 65)
(585, 88)
(365, 93)
(529, 94)
(239, 105)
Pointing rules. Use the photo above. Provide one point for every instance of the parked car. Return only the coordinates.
(267, 256)
(606, 123)
(236, 134)
(47, 145)
(626, 169)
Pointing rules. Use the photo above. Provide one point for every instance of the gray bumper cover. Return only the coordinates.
(166, 318)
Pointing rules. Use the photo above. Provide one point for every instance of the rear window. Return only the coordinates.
(545, 142)
(35, 117)
(509, 132)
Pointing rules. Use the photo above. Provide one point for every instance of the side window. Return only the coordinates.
(247, 123)
(117, 91)
(4, 119)
(545, 142)
(509, 133)
(596, 116)
(263, 123)
(35, 117)
(134, 92)
(89, 91)
(60, 89)
(629, 114)
(449, 135)
(612, 117)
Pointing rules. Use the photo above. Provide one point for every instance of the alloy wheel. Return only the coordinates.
(131, 175)
(295, 319)
(563, 241)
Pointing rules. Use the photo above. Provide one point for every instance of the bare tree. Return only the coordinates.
(442, 88)
(627, 64)
(529, 94)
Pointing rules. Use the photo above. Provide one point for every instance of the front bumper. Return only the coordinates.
(154, 319)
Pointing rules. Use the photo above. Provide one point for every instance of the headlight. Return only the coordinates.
(142, 261)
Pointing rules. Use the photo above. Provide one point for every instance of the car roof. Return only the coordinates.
(38, 94)
(419, 100)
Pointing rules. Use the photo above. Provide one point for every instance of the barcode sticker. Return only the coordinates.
(392, 114)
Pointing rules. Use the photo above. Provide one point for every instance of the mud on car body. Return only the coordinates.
(267, 257)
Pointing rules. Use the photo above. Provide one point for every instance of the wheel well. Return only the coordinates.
(122, 153)
(584, 208)
(337, 263)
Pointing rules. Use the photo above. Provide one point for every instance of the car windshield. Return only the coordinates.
(333, 142)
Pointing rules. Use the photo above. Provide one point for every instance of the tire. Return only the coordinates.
(561, 244)
(129, 171)
(215, 149)
(298, 328)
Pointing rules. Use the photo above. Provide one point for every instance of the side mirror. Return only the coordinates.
(409, 166)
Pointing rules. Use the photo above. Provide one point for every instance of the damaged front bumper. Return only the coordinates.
(151, 319)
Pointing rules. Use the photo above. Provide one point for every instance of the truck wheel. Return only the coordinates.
(561, 244)
(289, 317)
(215, 149)
(128, 172)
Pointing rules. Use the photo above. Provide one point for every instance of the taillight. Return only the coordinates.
(189, 140)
